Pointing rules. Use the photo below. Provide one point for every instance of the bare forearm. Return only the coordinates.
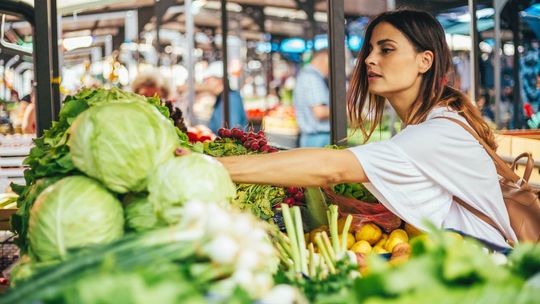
(299, 167)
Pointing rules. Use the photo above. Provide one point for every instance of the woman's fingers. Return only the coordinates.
(182, 152)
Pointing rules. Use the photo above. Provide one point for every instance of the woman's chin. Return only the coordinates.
(374, 91)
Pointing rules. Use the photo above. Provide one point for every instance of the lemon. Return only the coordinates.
(402, 234)
(382, 241)
(370, 233)
(361, 247)
(379, 250)
(392, 242)
(412, 231)
(314, 232)
(350, 240)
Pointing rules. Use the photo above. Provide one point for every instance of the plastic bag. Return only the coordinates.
(364, 212)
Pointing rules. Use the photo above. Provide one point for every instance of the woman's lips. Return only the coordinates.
(372, 75)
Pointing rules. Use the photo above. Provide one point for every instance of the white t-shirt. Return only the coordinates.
(416, 173)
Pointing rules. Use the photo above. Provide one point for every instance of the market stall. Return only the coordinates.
(136, 222)
(112, 210)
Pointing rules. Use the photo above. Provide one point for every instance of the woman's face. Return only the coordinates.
(393, 64)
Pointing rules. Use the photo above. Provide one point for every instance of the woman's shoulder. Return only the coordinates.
(435, 132)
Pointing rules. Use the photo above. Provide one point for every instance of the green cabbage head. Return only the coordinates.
(193, 177)
(120, 144)
(74, 212)
(140, 214)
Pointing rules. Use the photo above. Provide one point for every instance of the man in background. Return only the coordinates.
(311, 98)
(213, 82)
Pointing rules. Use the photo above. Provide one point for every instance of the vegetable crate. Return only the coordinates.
(9, 252)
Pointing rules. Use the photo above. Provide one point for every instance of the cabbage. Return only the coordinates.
(140, 214)
(74, 212)
(193, 177)
(119, 144)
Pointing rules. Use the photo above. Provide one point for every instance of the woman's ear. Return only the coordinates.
(425, 60)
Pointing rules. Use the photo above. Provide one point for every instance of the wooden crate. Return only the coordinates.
(5, 217)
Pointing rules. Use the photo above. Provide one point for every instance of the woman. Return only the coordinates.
(416, 173)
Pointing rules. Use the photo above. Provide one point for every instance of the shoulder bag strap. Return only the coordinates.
(502, 169)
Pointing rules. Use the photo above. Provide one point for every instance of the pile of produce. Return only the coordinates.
(110, 214)
(107, 199)
(324, 268)
(370, 238)
(211, 254)
(262, 200)
(447, 269)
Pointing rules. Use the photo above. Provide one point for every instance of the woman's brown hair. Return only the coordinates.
(426, 34)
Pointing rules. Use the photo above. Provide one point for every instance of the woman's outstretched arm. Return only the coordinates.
(298, 167)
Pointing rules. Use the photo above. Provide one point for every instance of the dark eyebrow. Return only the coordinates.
(383, 41)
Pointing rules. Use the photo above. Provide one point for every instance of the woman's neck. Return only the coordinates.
(402, 101)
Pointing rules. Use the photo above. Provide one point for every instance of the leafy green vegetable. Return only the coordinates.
(225, 147)
(140, 213)
(356, 191)
(119, 144)
(74, 212)
(316, 287)
(193, 177)
(525, 260)
(444, 269)
(50, 158)
(154, 283)
(259, 199)
(27, 196)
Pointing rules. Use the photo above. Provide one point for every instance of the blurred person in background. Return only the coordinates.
(311, 98)
(213, 82)
(150, 84)
(28, 125)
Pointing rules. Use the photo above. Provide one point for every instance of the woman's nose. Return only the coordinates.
(370, 59)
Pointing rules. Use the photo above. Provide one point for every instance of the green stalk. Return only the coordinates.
(332, 221)
(328, 246)
(284, 257)
(344, 234)
(324, 251)
(312, 265)
(300, 238)
(284, 240)
(289, 226)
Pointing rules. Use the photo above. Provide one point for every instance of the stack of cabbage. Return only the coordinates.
(108, 166)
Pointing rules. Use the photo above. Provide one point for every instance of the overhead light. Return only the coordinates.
(77, 42)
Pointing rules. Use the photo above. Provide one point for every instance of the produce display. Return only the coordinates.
(111, 214)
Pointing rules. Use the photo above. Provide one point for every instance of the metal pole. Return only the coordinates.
(518, 107)
(56, 77)
(226, 88)
(497, 5)
(189, 60)
(474, 50)
(391, 5)
(338, 111)
(42, 65)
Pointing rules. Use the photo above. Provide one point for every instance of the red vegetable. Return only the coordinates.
(289, 201)
(226, 133)
(254, 146)
(292, 190)
(299, 196)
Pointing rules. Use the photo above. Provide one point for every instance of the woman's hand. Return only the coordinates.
(182, 151)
